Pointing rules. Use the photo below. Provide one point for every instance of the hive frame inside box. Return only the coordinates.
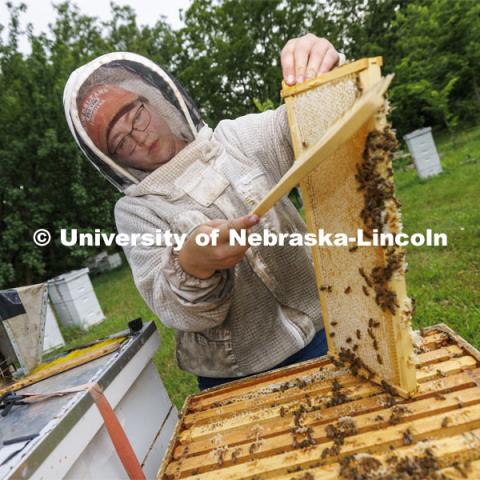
(358, 325)
(276, 425)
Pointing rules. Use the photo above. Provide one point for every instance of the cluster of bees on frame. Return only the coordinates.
(348, 354)
(362, 466)
(423, 465)
(379, 213)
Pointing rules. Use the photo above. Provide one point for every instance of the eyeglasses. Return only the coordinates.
(127, 145)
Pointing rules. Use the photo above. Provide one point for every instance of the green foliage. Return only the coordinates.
(263, 106)
(231, 50)
(437, 72)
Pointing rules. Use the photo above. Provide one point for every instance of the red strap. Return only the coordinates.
(117, 435)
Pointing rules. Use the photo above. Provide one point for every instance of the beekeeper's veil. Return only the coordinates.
(141, 76)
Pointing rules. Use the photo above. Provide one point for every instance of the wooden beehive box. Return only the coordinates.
(315, 420)
(365, 307)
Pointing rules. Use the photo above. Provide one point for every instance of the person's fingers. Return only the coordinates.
(215, 223)
(301, 54)
(329, 60)
(306, 57)
(228, 255)
(235, 253)
(317, 54)
(246, 221)
(288, 62)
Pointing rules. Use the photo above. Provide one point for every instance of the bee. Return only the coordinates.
(349, 340)
(375, 345)
(365, 291)
(253, 448)
(353, 249)
(355, 347)
(379, 359)
(235, 454)
(445, 422)
(220, 457)
(414, 302)
(370, 333)
(388, 388)
(365, 277)
(359, 334)
(332, 334)
(407, 437)
(326, 288)
(333, 324)
(336, 385)
(348, 290)
(282, 411)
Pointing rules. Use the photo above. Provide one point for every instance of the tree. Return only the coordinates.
(437, 73)
(230, 51)
(44, 180)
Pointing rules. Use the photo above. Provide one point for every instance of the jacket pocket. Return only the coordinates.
(202, 183)
(208, 353)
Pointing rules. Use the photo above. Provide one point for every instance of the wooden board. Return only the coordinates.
(74, 359)
(317, 420)
(362, 291)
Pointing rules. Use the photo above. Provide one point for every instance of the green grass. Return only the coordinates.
(444, 280)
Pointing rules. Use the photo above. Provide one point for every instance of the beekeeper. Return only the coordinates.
(236, 310)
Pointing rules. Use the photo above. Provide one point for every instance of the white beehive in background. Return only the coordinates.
(104, 263)
(424, 152)
(53, 337)
(74, 299)
(112, 261)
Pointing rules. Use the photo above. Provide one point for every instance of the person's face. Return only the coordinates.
(138, 137)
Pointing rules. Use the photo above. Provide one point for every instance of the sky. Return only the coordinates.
(41, 12)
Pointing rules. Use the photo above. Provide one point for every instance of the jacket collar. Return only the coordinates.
(162, 180)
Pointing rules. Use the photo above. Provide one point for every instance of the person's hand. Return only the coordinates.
(306, 57)
(203, 262)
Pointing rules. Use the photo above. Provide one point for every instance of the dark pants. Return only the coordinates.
(316, 348)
